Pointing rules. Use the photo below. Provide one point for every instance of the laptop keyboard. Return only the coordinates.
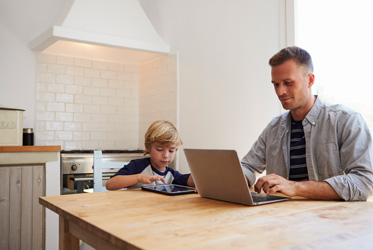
(263, 197)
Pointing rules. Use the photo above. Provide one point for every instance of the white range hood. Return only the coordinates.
(119, 24)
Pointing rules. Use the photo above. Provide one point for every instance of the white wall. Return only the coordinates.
(226, 97)
(17, 75)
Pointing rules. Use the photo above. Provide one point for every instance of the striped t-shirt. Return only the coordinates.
(298, 167)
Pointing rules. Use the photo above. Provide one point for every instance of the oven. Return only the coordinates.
(77, 168)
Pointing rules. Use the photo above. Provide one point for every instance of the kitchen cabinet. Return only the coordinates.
(22, 182)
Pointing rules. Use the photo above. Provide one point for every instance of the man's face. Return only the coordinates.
(292, 84)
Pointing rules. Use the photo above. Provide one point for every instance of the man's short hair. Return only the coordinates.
(299, 55)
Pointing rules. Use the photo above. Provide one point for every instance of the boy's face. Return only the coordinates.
(161, 155)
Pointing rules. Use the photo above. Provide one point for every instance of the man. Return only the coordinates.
(315, 150)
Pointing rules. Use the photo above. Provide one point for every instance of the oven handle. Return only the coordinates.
(88, 178)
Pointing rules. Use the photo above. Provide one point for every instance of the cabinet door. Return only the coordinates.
(22, 217)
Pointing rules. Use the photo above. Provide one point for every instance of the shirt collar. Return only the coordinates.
(313, 114)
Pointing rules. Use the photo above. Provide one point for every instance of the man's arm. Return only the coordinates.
(319, 190)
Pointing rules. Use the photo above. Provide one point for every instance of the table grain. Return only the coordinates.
(136, 219)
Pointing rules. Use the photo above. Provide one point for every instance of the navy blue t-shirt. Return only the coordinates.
(143, 166)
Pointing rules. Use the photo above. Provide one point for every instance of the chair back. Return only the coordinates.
(98, 166)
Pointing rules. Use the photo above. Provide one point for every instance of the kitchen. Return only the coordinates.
(220, 61)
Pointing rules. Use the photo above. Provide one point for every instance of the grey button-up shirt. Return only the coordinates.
(339, 150)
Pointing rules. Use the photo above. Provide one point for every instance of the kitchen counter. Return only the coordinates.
(26, 173)
(13, 149)
(10, 155)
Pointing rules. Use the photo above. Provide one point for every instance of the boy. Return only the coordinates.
(161, 143)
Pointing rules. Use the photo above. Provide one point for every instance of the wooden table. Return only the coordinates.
(143, 220)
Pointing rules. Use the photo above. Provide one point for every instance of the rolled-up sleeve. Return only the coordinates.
(356, 156)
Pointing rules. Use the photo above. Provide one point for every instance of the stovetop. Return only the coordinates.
(103, 151)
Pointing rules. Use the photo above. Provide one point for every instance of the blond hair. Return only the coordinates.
(163, 132)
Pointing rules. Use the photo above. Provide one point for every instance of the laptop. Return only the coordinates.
(218, 175)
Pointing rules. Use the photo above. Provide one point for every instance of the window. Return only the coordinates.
(339, 36)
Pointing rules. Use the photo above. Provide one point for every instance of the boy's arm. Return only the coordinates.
(190, 181)
(123, 181)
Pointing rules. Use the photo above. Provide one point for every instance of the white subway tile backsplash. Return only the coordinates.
(64, 79)
(63, 116)
(91, 73)
(102, 83)
(72, 126)
(46, 58)
(41, 106)
(106, 144)
(56, 69)
(41, 87)
(116, 66)
(100, 65)
(83, 63)
(115, 118)
(90, 91)
(99, 100)
(131, 68)
(90, 145)
(74, 71)
(63, 135)
(51, 143)
(126, 144)
(66, 98)
(82, 81)
(108, 109)
(55, 106)
(45, 116)
(42, 68)
(74, 108)
(98, 136)
(106, 127)
(55, 88)
(73, 145)
(116, 84)
(124, 93)
(124, 76)
(99, 118)
(118, 101)
(40, 125)
(65, 60)
(44, 135)
(46, 77)
(73, 89)
(54, 125)
(82, 117)
(108, 74)
(89, 127)
(91, 109)
(116, 136)
(88, 104)
(108, 92)
(81, 136)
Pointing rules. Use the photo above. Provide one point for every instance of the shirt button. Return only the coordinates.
(313, 123)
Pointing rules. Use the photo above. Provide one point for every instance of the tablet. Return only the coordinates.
(170, 189)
